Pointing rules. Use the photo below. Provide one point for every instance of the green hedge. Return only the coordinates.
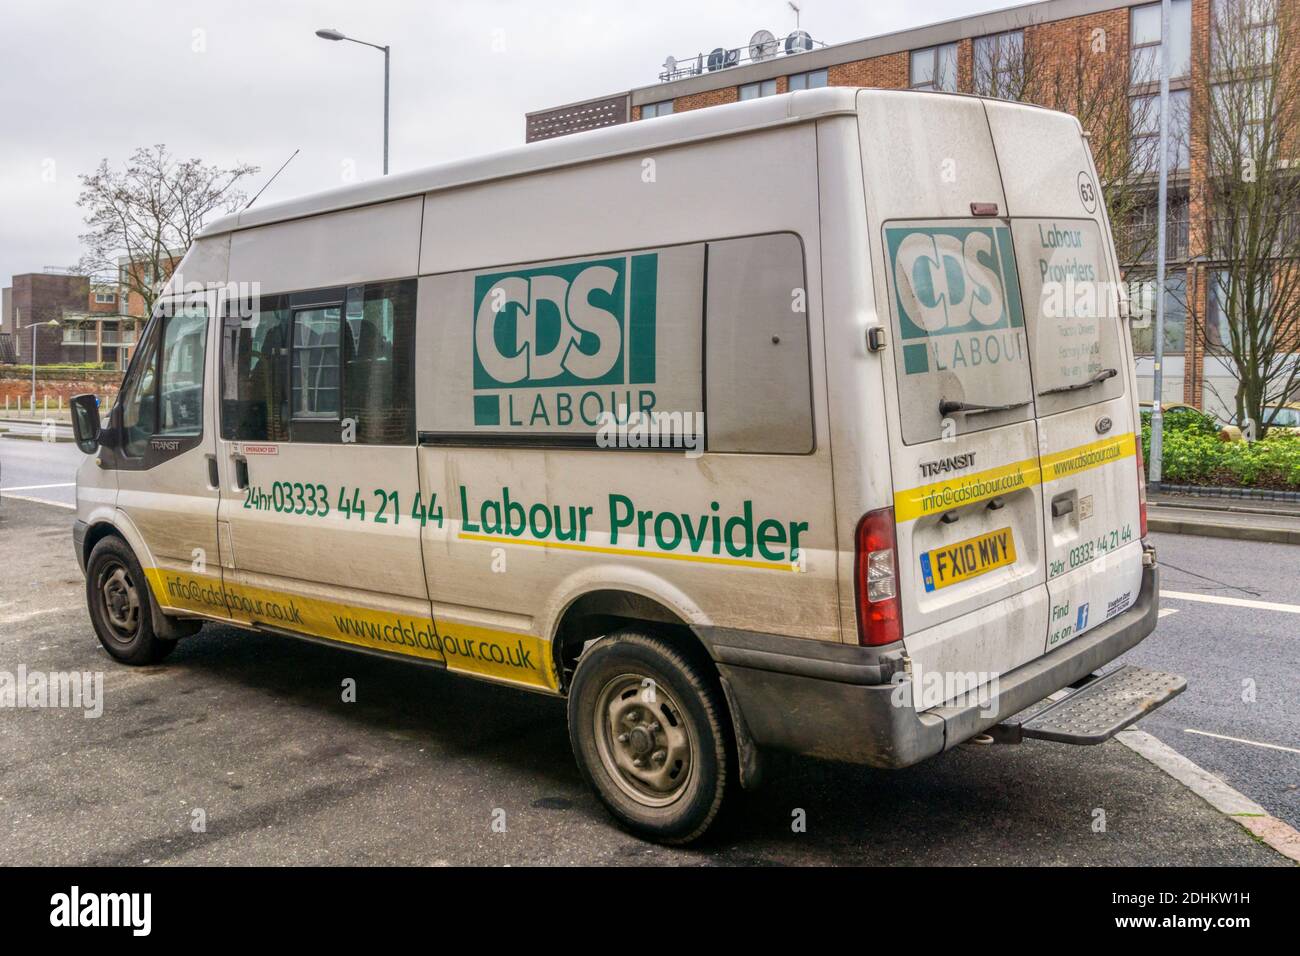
(1195, 455)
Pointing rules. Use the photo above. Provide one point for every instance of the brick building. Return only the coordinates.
(99, 319)
(1030, 53)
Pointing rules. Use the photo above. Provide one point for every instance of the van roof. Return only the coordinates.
(797, 107)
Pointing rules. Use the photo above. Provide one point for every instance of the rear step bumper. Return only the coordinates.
(840, 703)
(1099, 709)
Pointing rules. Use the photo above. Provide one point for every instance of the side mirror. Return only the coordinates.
(85, 422)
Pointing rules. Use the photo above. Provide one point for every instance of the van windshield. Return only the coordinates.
(962, 360)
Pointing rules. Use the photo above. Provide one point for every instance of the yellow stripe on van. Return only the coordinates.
(953, 492)
(961, 490)
(1063, 464)
(630, 552)
(498, 655)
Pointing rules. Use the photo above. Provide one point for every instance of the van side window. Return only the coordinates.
(255, 352)
(759, 397)
(184, 346)
(297, 367)
(379, 362)
(140, 396)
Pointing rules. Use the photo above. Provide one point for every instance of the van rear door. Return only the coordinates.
(1082, 364)
(959, 394)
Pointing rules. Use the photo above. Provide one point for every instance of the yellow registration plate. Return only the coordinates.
(941, 567)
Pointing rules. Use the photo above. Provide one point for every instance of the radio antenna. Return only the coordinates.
(272, 179)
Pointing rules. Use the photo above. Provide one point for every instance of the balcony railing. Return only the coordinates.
(1230, 236)
(87, 337)
(1137, 242)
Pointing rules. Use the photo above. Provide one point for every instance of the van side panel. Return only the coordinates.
(668, 203)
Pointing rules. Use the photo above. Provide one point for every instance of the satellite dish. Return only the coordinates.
(717, 59)
(733, 57)
(762, 45)
(798, 42)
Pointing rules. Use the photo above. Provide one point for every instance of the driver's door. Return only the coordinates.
(164, 455)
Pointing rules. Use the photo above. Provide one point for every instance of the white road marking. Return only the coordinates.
(1240, 740)
(1231, 601)
(1166, 611)
(1278, 834)
(65, 484)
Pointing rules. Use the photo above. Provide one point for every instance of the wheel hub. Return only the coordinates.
(121, 601)
(643, 740)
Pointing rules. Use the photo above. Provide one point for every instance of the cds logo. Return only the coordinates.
(565, 324)
(961, 282)
(561, 344)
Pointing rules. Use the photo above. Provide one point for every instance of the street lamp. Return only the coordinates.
(54, 324)
(328, 34)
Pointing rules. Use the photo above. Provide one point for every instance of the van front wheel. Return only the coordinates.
(118, 598)
(648, 730)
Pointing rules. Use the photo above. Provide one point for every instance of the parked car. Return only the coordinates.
(1278, 418)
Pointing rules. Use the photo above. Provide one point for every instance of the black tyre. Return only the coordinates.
(649, 731)
(117, 595)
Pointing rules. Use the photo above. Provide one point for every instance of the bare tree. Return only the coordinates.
(1088, 74)
(149, 213)
(1003, 65)
(1250, 202)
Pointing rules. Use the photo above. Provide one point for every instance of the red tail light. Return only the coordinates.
(880, 619)
(1142, 488)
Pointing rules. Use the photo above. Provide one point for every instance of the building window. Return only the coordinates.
(1144, 40)
(999, 65)
(1144, 129)
(1137, 238)
(813, 79)
(1241, 109)
(314, 374)
(1142, 308)
(1227, 305)
(935, 68)
(105, 298)
(1243, 34)
(662, 108)
(752, 91)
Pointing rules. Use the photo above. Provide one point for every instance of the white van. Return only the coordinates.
(804, 424)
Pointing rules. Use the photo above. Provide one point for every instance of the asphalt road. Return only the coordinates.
(252, 731)
(1242, 664)
(38, 469)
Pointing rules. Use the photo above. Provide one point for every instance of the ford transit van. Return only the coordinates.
(805, 424)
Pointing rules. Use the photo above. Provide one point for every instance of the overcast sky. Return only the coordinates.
(247, 81)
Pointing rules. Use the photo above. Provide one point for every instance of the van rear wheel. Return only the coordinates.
(648, 729)
(121, 611)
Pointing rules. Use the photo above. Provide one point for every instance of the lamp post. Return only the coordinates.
(54, 324)
(1154, 472)
(328, 34)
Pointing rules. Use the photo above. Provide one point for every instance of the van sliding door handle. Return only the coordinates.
(214, 478)
(241, 472)
(1062, 507)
